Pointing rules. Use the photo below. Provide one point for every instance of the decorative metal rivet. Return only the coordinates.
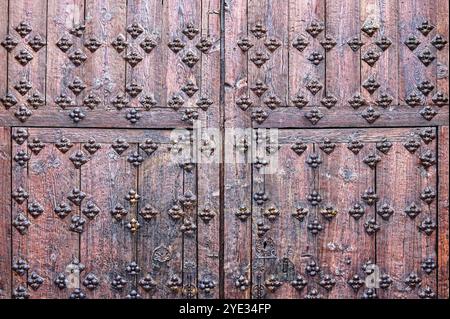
(314, 115)
(23, 29)
(61, 281)
(369, 196)
(428, 265)
(133, 268)
(355, 282)
(371, 226)
(327, 282)
(413, 210)
(383, 43)
(427, 293)
(78, 159)
(35, 209)
(147, 101)
(428, 195)
(428, 135)
(272, 283)
(21, 292)
(133, 225)
(77, 115)
(20, 195)
(118, 283)
(119, 43)
(315, 58)
(90, 211)
(135, 159)
(315, 227)
(148, 212)
(190, 59)
(36, 146)
(300, 43)
(8, 100)
(190, 31)
(204, 45)
(355, 146)
(77, 294)
(77, 224)
(64, 145)
(21, 158)
(174, 283)
(357, 211)
(133, 89)
(371, 57)
(206, 214)
(328, 212)
(426, 57)
(62, 210)
(271, 213)
(384, 100)
(176, 45)
(76, 196)
(77, 57)
(385, 281)
(259, 58)
(314, 198)
(370, 293)
(371, 85)
(23, 57)
(413, 280)
(258, 30)
(425, 87)
(135, 30)
(78, 30)
(133, 58)
(188, 227)
(372, 160)
(120, 146)
(20, 267)
(91, 282)
(315, 28)
(300, 213)
(175, 102)
(312, 268)
(384, 145)
(425, 27)
(438, 42)
(244, 44)
(9, 43)
(427, 226)
(92, 44)
(261, 228)
(147, 283)
(355, 43)
(23, 86)
(428, 113)
(22, 113)
(176, 212)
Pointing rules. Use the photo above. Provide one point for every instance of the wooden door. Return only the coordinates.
(224, 148)
(356, 93)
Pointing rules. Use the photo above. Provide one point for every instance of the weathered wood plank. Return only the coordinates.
(148, 74)
(384, 16)
(237, 170)
(107, 245)
(209, 154)
(19, 184)
(301, 71)
(5, 207)
(182, 21)
(442, 56)
(160, 242)
(401, 247)
(412, 72)
(343, 245)
(51, 243)
(287, 191)
(105, 68)
(443, 247)
(63, 16)
(4, 29)
(342, 64)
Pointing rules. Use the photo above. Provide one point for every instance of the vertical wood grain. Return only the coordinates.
(412, 72)
(401, 247)
(342, 64)
(62, 17)
(442, 70)
(179, 14)
(443, 251)
(383, 15)
(51, 243)
(148, 73)
(107, 245)
(4, 29)
(208, 167)
(32, 13)
(287, 188)
(19, 242)
(160, 185)
(301, 70)
(5, 208)
(105, 68)
(237, 170)
(343, 245)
